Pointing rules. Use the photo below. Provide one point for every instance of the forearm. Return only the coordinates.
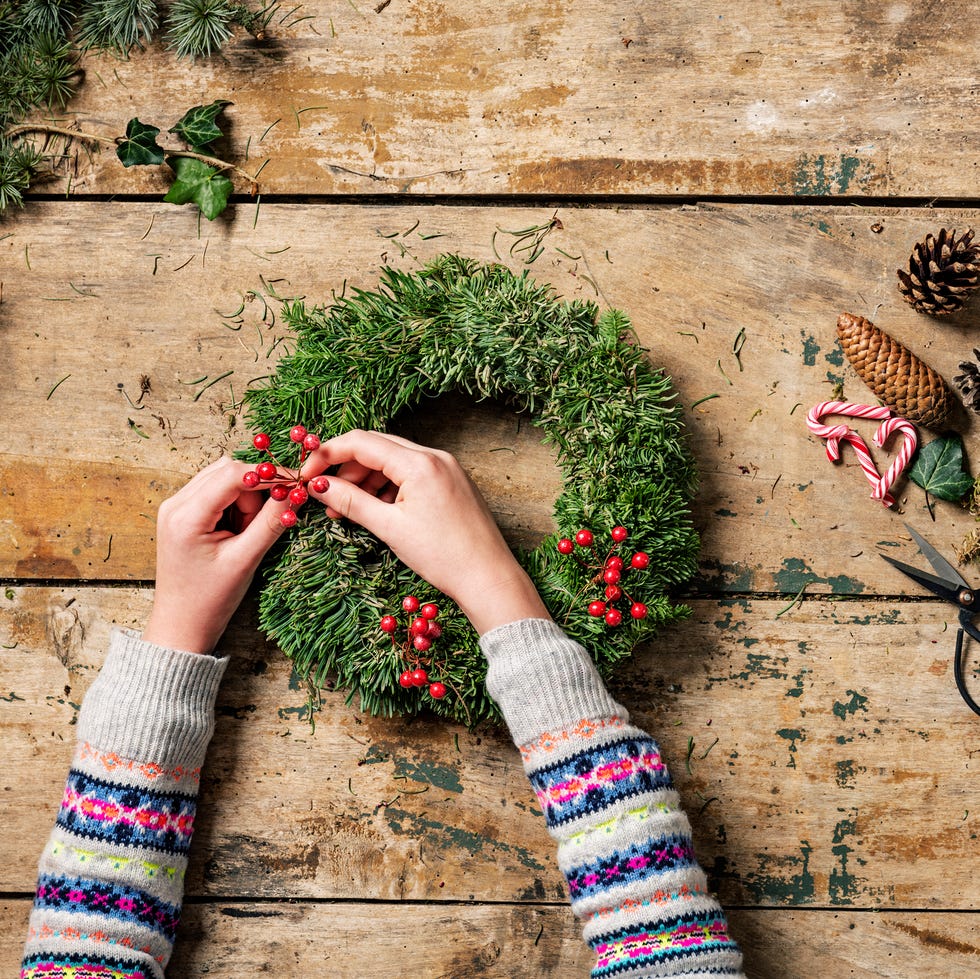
(111, 878)
(624, 843)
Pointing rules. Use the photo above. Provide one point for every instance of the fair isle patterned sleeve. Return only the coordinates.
(624, 843)
(111, 877)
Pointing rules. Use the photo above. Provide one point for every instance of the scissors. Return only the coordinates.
(949, 584)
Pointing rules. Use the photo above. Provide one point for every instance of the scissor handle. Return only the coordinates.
(966, 625)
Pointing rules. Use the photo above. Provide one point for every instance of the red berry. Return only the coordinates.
(298, 496)
(288, 518)
(597, 609)
(437, 690)
(615, 562)
(410, 603)
(613, 617)
(638, 610)
(619, 534)
(251, 479)
(419, 677)
(434, 631)
(430, 610)
(266, 470)
(584, 538)
(613, 592)
(565, 546)
(640, 560)
(311, 442)
(279, 492)
(419, 627)
(297, 433)
(261, 441)
(405, 679)
(319, 484)
(389, 623)
(611, 576)
(421, 643)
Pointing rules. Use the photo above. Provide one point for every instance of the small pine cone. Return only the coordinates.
(943, 271)
(969, 382)
(909, 387)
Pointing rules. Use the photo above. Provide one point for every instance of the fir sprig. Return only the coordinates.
(483, 330)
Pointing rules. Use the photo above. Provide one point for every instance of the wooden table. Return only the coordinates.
(718, 170)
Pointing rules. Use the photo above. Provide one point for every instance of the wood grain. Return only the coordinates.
(225, 941)
(774, 513)
(589, 97)
(824, 756)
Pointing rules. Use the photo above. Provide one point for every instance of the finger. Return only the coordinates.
(390, 454)
(347, 500)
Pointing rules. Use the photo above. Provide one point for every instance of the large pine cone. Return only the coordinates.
(943, 271)
(969, 382)
(907, 385)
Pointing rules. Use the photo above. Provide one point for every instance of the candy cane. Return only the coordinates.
(834, 434)
(901, 461)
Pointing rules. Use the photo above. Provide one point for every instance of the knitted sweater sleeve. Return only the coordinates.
(111, 877)
(624, 843)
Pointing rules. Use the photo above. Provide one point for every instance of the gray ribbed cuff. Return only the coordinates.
(542, 680)
(150, 703)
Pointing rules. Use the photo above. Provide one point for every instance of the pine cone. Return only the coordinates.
(911, 388)
(943, 271)
(969, 382)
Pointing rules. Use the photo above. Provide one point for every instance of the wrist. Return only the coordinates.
(172, 631)
(498, 602)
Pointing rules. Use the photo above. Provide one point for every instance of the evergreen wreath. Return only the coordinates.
(457, 325)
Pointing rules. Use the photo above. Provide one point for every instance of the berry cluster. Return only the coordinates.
(290, 485)
(608, 571)
(422, 632)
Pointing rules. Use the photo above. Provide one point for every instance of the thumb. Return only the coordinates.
(263, 531)
(350, 501)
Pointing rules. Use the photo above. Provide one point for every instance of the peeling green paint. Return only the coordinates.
(803, 487)
(429, 773)
(845, 773)
(816, 176)
(12, 697)
(835, 357)
(725, 513)
(843, 885)
(795, 573)
(856, 703)
(792, 735)
(810, 349)
(783, 879)
(797, 690)
(300, 713)
(729, 577)
(447, 838)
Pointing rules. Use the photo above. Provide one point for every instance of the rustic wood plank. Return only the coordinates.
(464, 942)
(774, 513)
(573, 98)
(824, 756)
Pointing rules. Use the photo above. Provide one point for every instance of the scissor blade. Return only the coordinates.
(942, 567)
(938, 586)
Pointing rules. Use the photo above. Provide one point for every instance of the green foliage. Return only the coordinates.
(482, 330)
(200, 184)
(938, 469)
(140, 148)
(38, 39)
(198, 126)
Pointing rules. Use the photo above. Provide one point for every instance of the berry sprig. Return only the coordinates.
(608, 571)
(416, 649)
(290, 485)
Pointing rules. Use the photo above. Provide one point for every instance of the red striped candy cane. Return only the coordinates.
(901, 461)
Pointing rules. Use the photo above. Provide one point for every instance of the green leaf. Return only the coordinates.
(199, 183)
(198, 126)
(938, 469)
(140, 148)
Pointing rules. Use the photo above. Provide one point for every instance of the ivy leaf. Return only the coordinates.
(198, 126)
(139, 148)
(199, 183)
(938, 469)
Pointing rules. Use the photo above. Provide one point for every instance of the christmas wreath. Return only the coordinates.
(331, 587)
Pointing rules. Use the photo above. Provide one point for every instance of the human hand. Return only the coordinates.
(422, 504)
(203, 572)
